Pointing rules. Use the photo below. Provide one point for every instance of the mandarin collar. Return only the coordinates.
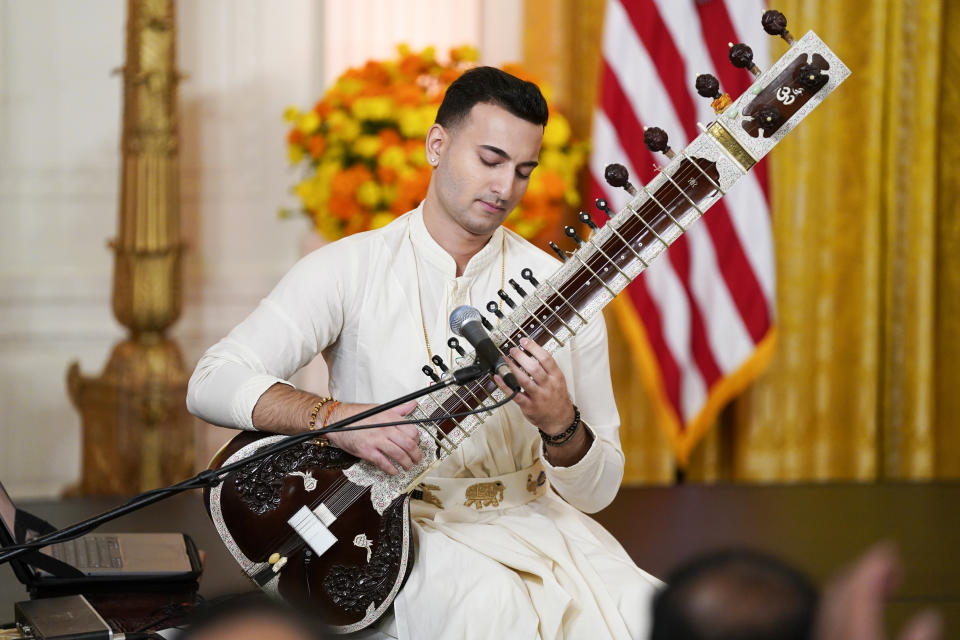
(431, 252)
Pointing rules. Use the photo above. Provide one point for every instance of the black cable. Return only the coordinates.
(210, 477)
(448, 416)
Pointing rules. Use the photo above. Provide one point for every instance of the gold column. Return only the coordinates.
(137, 434)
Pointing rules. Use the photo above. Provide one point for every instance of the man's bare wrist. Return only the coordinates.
(561, 425)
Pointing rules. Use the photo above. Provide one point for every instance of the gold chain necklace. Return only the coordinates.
(423, 321)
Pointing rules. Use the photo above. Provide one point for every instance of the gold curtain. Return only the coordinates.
(866, 226)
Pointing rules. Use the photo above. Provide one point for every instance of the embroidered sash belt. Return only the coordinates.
(485, 494)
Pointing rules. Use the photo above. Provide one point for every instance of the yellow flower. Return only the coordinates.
(381, 219)
(526, 228)
(349, 86)
(291, 113)
(409, 122)
(553, 159)
(389, 193)
(417, 157)
(368, 194)
(329, 228)
(535, 186)
(343, 127)
(366, 146)
(308, 122)
(294, 153)
(372, 108)
(323, 177)
(557, 131)
(428, 115)
(465, 53)
(393, 158)
(414, 123)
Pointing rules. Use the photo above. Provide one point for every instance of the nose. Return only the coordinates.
(502, 183)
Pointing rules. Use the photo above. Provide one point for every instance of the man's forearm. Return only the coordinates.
(283, 409)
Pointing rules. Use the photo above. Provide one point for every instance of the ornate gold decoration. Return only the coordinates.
(484, 494)
(429, 496)
(137, 433)
(729, 143)
(533, 485)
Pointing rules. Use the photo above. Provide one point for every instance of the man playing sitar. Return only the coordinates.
(503, 548)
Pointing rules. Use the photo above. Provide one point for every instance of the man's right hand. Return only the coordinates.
(385, 447)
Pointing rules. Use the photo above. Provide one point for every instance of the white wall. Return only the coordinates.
(59, 160)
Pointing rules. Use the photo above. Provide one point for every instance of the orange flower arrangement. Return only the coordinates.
(361, 147)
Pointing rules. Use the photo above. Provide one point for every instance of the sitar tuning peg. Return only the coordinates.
(741, 56)
(709, 87)
(454, 344)
(527, 274)
(437, 360)
(656, 140)
(486, 323)
(602, 205)
(775, 23)
(516, 287)
(494, 308)
(572, 233)
(618, 177)
(557, 250)
(430, 373)
(506, 298)
(585, 218)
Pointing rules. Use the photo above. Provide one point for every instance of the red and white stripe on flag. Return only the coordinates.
(699, 320)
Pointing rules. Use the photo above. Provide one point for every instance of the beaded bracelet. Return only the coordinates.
(561, 439)
(316, 412)
(329, 412)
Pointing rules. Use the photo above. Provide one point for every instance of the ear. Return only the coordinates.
(438, 139)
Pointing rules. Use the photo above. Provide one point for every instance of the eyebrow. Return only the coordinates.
(506, 156)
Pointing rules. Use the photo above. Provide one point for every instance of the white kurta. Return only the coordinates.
(542, 569)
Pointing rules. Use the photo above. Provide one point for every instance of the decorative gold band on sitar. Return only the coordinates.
(731, 146)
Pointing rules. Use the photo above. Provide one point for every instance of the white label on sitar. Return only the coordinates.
(326, 516)
(313, 531)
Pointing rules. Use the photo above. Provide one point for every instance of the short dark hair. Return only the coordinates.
(489, 85)
(735, 594)
(213, 618)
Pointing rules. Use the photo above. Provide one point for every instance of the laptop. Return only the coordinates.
(93, 558)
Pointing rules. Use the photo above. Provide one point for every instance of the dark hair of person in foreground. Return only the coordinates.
(735, 595)
(489, 85)
(249, 616)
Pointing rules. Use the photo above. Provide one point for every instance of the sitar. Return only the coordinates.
(330, 533)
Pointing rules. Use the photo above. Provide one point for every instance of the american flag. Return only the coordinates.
(700, 319)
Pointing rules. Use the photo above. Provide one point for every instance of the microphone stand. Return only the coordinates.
(213, 477)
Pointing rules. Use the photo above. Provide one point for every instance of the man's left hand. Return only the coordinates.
(544, 399)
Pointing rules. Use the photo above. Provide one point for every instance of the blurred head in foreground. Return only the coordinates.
(735, 595)
(250, 617)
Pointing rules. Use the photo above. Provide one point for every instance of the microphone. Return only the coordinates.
(465, 321)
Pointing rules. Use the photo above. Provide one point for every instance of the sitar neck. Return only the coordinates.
(555, 309)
